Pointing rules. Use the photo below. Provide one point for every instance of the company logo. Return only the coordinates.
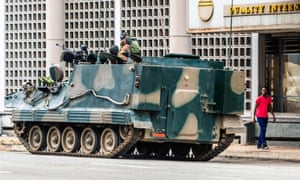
(205, 9)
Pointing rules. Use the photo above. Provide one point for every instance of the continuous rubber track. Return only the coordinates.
(134, 135)
(220, 147)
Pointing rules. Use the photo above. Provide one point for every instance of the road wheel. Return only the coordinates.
(123, 131)
(108, 141)
(89, 141)
(54, 139)
(36, 138)
(70, 140)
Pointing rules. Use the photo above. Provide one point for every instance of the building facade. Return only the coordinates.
(259, 38)
(25, 43)
(35, 31)
(2, 58)
(264, 43)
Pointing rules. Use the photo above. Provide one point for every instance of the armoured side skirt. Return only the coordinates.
(73, 116)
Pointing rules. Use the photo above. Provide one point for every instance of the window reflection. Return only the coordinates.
(291, 83)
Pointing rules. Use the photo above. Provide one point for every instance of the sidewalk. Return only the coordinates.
(250, 151)
(11, 143)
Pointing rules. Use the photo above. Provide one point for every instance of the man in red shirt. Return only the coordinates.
(262, 107)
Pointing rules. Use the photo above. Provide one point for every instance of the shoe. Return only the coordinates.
(266, 147)
(259, 147)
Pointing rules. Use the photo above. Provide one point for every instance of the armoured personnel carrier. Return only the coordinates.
(172, 107)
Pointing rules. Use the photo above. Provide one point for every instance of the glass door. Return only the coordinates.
(282, 77)
(291, 83)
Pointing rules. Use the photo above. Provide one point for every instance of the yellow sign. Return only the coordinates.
(205, 9)
(260, 9)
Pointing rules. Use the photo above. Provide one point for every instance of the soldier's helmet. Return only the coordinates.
(123, 35)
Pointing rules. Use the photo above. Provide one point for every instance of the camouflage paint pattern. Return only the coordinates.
(179, 98)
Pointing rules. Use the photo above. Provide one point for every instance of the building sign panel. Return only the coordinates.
(240, 15)
(262, 9)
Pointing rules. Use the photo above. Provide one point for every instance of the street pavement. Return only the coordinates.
(274, 153)
(11, 143)
(22, 165)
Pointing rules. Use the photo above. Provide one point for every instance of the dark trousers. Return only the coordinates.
(263, 122)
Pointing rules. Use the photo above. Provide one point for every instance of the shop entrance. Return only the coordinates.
(280, 71)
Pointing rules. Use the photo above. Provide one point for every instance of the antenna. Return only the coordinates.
(60, 46)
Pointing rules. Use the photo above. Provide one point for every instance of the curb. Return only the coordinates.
(274, 153)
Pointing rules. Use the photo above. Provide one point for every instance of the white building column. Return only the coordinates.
(180, 41)
(117, 22)
(55, 23)
(2, 56)
(255, 67)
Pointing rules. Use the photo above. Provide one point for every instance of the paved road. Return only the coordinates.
(25, 166)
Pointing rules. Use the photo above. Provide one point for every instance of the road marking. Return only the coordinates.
(123, 165)
(5, 172)
(103, 169)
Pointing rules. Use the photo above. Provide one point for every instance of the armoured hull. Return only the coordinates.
(162, 107)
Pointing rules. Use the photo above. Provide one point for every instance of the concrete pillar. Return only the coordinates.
(2, 56)
(180, 41)
(117, 22)
(55, 29)
(255, 67)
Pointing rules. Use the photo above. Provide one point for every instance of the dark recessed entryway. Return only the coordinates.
(279, 69)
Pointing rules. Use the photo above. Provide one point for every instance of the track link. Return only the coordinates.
(220, 147)
(133, 136)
